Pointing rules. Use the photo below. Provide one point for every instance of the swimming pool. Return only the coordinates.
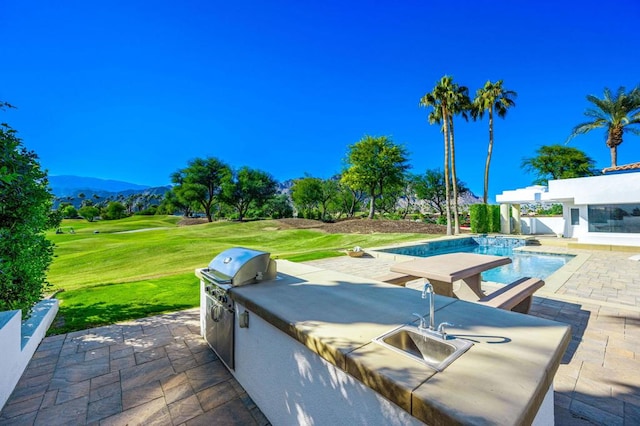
(524, 264)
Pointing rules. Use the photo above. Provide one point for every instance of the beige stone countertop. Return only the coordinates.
(501, 379)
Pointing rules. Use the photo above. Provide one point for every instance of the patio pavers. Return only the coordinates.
(156, 370)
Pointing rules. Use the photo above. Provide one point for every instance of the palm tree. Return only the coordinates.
(447, 99)
(492, 97)
(459, 103)
(438, 100)
(617, 114)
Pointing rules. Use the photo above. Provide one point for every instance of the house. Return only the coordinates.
(601, 209)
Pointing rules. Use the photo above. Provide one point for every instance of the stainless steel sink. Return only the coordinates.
(424, 346)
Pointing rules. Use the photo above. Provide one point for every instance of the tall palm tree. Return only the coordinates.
(493, 98)
(616, 113)
(448, 99)
(438, 100)
(459, 103)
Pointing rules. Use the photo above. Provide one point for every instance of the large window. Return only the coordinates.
(623, 218)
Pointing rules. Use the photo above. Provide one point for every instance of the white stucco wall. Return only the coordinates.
(19, 341)
(595, 190)
(293, 385)
(605, 189)
(536, 225)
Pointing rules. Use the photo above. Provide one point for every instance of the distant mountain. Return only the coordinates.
(76, 189)
(64, 186)
(470, 198)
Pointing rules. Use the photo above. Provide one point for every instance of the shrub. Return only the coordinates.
(25, 213)
(494, 218)
(479, 218)
(149, 211)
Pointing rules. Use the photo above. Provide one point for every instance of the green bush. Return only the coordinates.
(494, 218)
(25, 214)
(149, 211)
(479, 218)
(484, 218)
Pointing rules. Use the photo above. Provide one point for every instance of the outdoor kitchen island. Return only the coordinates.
(306, 355)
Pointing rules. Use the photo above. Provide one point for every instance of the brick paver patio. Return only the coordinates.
(156, 370)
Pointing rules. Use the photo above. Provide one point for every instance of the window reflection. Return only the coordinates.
(622, 218)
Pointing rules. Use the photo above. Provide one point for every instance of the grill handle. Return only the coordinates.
(215, 312)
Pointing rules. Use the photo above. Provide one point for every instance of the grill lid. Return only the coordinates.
(239, 266)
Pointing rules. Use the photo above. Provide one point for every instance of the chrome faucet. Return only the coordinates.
(442, 331)
(428, 290)
(423, 321)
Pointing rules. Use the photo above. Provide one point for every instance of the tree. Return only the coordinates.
(373, 163)
(69, 212)
(89, 212)
(114, 210)
(399, 199)
(348, 200)
(448, 99)
(306, 194)
(247, 188)
(25, 214)
(277, 207)
(493, 98)
(200, 182)
(310, 193)
(459, 103)
(558, 162)
(171, 203)
(618, 114)
(431, 187)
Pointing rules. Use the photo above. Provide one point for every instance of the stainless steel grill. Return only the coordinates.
(233, 267)
(239, 266)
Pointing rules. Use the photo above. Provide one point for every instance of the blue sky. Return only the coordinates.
(132, 90)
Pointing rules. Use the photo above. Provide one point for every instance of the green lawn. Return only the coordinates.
(106, 273)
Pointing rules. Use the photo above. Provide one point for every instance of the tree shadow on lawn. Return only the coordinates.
(83, 316)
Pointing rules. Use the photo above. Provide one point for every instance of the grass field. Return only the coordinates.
(116, 270)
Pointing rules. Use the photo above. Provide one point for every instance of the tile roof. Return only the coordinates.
(624, 167)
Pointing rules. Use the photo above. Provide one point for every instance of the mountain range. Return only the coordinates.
(67, 186)
(73, 189)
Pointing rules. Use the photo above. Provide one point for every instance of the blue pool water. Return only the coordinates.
(524, 264)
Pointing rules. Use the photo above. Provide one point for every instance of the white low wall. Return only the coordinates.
(542, 225)
(19, 341)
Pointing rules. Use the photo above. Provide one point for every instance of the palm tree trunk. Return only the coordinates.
(614, 156)
(486, 166)
(454, 182)
(445, 117)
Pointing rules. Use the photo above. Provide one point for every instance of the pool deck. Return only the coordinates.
(158, 370)
(598, 294)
